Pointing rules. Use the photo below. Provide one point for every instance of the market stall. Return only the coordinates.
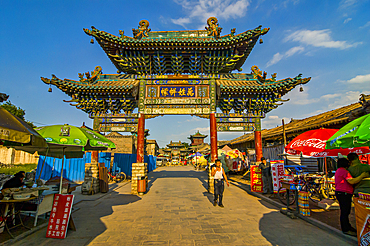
(235, 161)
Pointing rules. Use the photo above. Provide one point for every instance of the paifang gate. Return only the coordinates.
(177, 73)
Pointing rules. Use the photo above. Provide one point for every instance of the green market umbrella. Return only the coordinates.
(15, 132)
(71, 142)
(74, 141)
(354, 134)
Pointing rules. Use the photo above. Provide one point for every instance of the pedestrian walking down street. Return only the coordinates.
(219, 176)
(266, 176)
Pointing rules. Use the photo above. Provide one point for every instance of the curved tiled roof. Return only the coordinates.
(327, 119)
(171, 52)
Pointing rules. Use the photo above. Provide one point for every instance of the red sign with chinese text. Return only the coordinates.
(59, 216)
(256, 179)
(277, 171)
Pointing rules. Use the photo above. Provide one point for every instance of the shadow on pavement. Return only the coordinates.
(209, 196)
(88, 219)
(202, 176)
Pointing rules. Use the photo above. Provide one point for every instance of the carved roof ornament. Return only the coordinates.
(257, 74)
(3, 97)
(142, 31)
(213, 28)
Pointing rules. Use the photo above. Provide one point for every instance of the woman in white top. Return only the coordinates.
(219, 176)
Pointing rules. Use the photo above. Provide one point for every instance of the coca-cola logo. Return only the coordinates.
(312, 142)
(320, 154)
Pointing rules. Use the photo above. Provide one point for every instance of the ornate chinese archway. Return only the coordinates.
(177, 73)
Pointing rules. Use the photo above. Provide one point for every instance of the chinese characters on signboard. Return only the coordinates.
(177, 91)
(256, 179)
(277, 170)
(59, 216)
(168, 91)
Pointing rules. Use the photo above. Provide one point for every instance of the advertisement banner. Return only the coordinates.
(362, 221)
(256, 179)
(59, 216)
(277, 171)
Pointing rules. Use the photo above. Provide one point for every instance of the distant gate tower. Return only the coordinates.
(197, 139)
(177, 73)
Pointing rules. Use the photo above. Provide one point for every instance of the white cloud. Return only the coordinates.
(330, 96)
(366, 25)
(319, 38)
(340, 100)
(203, 130)
(360, 79)
(273, 121)
(347, 20)
(300, 98)
(181, 21)
(278, 57)
(201, 10)
(344, 4)
(275, 59)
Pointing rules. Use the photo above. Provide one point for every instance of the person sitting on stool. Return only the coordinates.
(266, 176)
(219, 175)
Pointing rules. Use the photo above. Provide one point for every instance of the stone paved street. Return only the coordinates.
(178, 211)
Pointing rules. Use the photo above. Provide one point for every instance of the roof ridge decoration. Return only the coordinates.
(178, 52)
(257, 74)
(213, 28)
(90, 79)
(142, 31)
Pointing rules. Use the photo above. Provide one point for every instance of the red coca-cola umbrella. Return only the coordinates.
(312, 144)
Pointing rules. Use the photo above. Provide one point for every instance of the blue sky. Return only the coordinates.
(325, 40)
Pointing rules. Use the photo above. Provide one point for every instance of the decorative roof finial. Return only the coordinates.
(142, 30)
(122, 33)
(213, 28)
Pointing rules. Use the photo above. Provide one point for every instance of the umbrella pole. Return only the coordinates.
(61, 174)
(326, 173)
(42, 167)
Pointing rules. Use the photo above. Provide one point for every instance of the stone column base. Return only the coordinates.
(210, 179)
(92, 175)
(138, 170)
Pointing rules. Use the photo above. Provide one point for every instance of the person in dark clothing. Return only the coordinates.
(266, 176)
(16, 181)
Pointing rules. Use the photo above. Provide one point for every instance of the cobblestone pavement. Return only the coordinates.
(178, 211)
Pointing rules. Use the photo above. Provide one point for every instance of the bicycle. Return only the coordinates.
(117, 176)
(304, 183)
(327, 188)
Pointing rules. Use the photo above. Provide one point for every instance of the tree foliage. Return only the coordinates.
(17, 111)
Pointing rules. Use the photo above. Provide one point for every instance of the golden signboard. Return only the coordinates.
(176, 111)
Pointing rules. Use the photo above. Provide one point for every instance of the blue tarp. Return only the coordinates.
(123, 162)
(74, 169)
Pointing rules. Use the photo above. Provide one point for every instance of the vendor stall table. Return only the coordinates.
(295, 188)
(43, 205)
(56, 180)
(10, 214)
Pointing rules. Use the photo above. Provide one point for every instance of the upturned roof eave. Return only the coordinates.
(173, 41)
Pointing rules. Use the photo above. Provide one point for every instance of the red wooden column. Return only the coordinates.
(140, 139)
(213, 126)
(258, 139)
